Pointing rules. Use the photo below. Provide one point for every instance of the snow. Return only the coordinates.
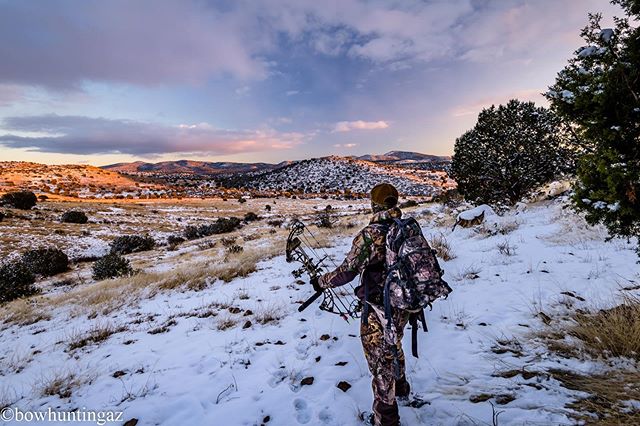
(606, 34)
(195, 374)
(475, 212)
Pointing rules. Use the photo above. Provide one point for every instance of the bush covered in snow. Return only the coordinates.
(512, 150)
(126, 244)
(16, 280)
(46, 261)
(221, 226)
(23, 200)
(111, 266)
(74, 216)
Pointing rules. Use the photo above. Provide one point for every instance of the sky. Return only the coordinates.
(99, 82)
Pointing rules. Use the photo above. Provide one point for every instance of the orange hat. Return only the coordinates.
(384, 194)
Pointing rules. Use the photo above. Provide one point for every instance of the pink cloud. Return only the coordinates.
(347, 126)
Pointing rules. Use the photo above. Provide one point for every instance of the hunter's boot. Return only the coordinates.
(403, 389)
(385, 414)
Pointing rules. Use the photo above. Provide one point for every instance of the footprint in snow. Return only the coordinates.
(326, 417)
(303, 414)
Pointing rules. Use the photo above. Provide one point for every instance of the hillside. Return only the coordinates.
(337, 174)
(177, 345)
(71, 180)
(189, 167)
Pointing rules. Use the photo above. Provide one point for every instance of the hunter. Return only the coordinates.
(367, 258)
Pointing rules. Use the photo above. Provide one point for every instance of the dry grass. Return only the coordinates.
(16, 361)
(610, 394)
(265, 314)
(96, 334)
(24, 311)
(506, 248)
(8, 397)
(62, 383)
(613, 332)
(468, 273)
(605, 334)
(439, 243)
(226, 322)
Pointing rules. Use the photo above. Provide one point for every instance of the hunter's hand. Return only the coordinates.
(315, 284)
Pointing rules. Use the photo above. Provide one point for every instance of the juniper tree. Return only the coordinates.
(512, 149)
(598, 94)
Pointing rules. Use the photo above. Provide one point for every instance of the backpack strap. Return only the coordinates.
(414, 317)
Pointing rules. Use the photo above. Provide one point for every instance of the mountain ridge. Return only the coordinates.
(223, 167)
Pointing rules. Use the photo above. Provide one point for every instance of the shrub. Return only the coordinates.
(46, 261)
(174, 240)
(23, 200)
(324, 221)
(111, 266)
(74, 216)
(512, 149)
(126, 244)
(251, 217)
(267, 207)
(16, 280)
(242, 200)
(220, 226)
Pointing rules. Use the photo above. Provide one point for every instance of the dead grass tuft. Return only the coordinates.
(61, 383)
(613, 332)
(96, 334)
(439, 243)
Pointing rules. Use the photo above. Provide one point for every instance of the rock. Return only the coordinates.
(266, 419)
(248, 312)
(246, 325)
(318, 358)
(343, 386)
(235, 310)
(504, 399)
(325, 337)
(481, 397)
(118, 373)
(131, 422)
(341, 363)
(307, 381)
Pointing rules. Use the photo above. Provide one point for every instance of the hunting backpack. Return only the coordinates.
(414, 277)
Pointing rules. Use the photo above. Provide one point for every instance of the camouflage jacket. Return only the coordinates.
(366, 257)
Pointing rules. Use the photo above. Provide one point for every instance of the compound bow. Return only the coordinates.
(295, 252)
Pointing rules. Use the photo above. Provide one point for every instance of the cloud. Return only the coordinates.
(292, 92)
(64, 43)
(85, 135)
(347, 126)
(346, 145)
(243, 91)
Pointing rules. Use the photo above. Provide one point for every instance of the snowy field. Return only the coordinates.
(238, 353)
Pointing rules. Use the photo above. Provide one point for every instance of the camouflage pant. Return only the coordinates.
(380, 358)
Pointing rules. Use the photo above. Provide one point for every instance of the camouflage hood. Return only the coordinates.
(386, 215)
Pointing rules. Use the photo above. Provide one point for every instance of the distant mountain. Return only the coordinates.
(215, 168)
(403, 156)
(337, 174)
(190, 167)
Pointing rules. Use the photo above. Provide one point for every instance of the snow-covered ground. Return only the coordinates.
(174, 366)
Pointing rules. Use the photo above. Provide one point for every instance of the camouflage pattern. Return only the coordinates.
(414, 277)
(380, 358)
(367, 249)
